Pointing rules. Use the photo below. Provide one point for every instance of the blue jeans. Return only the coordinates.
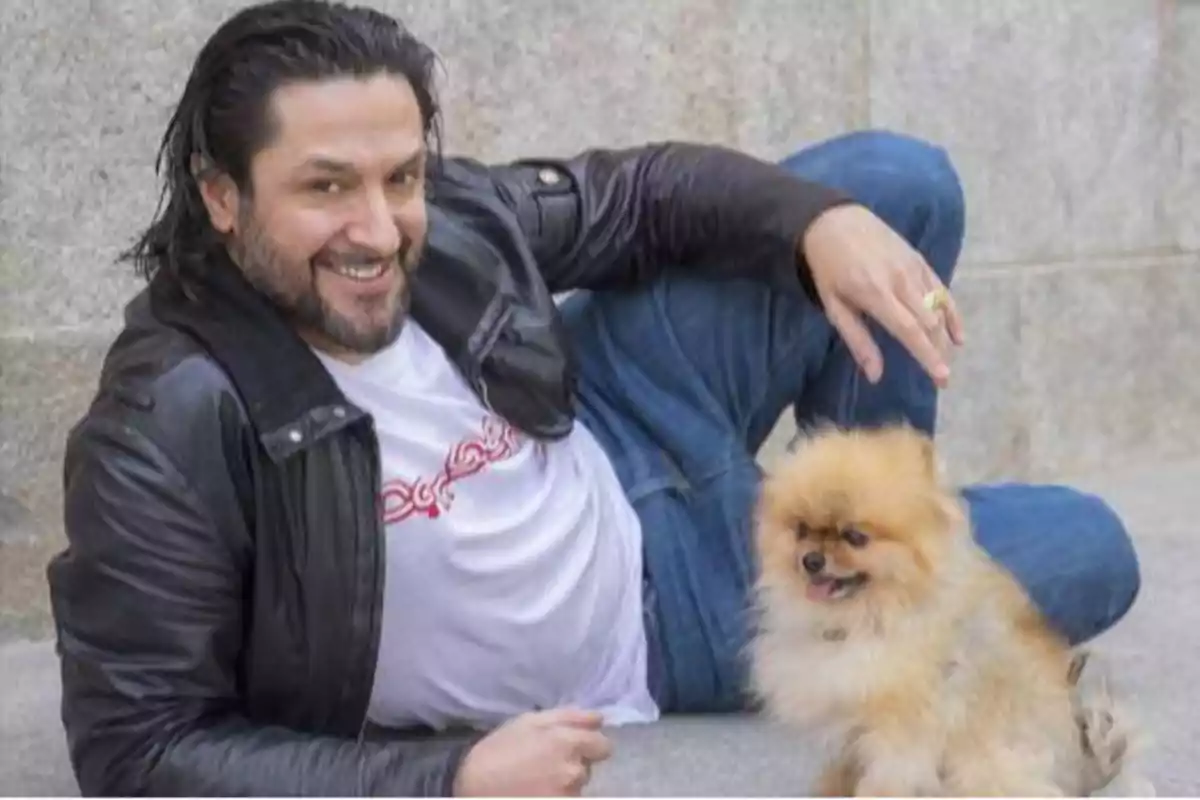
(683, 379)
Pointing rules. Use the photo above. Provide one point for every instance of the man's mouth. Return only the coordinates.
(360, 272)
(826, 588)
(362, 267)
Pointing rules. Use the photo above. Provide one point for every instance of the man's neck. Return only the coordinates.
(326, 346)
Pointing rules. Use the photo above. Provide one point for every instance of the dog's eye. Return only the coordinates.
(855, 538)
(801, 531)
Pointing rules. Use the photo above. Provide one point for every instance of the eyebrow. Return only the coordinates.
(326, 164)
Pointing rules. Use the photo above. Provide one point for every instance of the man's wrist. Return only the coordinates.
(803, 267)
(458, 767)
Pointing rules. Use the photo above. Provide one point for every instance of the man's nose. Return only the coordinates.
(374, 225)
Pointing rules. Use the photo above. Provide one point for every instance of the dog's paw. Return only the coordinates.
(898, 783)
(1127, 783)
(1109, 739)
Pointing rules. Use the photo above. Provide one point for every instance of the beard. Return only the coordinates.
(293, 288)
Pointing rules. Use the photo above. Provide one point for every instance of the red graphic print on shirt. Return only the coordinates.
(433, 495)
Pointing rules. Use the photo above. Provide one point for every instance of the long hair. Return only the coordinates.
(223, 119)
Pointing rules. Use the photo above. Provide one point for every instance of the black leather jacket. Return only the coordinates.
(218, 605)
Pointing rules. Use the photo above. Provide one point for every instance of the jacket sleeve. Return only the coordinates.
(609, 218)
(147, 601)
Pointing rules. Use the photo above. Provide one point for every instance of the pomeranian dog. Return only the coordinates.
(885, 627)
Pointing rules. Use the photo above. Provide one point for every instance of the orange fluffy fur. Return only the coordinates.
(923, 661)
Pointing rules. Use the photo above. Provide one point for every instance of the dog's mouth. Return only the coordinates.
(825, 587)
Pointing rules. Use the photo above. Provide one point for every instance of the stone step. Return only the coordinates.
(1153, 652)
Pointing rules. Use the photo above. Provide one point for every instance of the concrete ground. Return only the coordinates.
(1154, 652)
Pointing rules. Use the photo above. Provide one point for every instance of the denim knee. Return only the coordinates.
(924, 172)
(1114, 580)
(910, 181)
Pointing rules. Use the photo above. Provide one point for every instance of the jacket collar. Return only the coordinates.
(289, 396)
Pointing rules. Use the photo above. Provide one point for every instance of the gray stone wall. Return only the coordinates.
(1075, 123)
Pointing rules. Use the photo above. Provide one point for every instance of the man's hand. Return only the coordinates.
(861, 266)
(545, 753)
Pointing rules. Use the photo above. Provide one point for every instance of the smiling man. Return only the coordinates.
(360, 509)
(338, 271)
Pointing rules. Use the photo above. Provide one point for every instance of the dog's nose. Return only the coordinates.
(814, 562)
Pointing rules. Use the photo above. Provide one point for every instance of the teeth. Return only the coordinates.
(361, 272)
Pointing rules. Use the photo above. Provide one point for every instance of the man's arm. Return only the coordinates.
(618, 217)
(148, 604)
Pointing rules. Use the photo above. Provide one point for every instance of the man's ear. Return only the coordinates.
(219, 193)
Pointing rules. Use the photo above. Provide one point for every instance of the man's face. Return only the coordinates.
(334, 221)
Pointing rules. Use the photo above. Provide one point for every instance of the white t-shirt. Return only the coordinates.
(514, 567)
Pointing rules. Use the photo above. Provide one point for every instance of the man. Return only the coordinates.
(351, 475)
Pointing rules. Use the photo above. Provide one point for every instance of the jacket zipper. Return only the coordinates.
(378, 545)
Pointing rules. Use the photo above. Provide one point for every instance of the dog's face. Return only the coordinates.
(855, 517)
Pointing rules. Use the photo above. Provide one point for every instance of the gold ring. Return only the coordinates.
(937, 299)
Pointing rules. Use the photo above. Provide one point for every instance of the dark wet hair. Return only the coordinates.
(222, 116)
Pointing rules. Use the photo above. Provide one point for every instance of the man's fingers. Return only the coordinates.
(948, 317)
(954, 323)
(912, 292)
(578, 777)
(915, 325)
(572, 717)
(592, 746)
(856, 336)
(910, 332)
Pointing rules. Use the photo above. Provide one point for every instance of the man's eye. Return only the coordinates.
(404, 178)
(324, 186)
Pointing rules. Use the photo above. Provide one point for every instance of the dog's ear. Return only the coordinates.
(929, 458)
(909, 437)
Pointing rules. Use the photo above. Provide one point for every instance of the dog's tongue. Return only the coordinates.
(820, 590)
